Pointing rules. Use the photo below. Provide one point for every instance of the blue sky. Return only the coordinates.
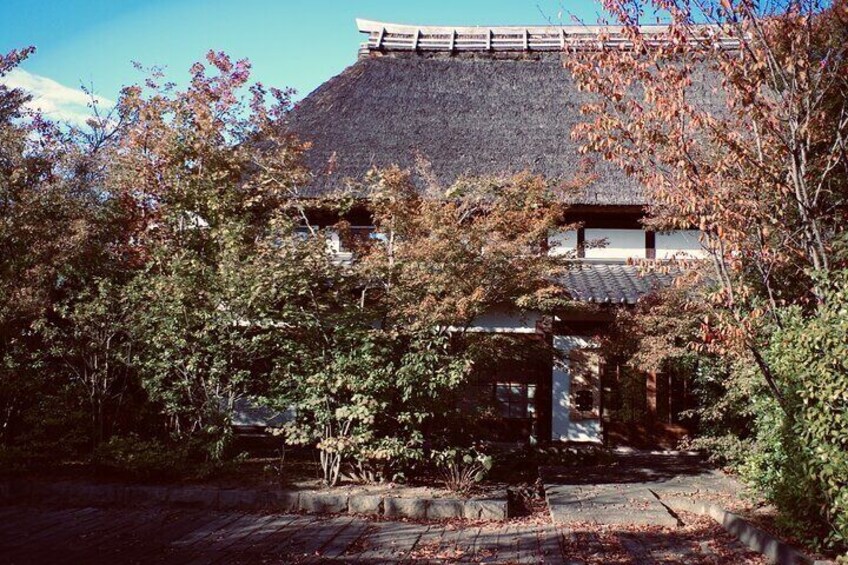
(294, 43)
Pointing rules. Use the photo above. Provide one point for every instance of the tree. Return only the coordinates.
(88, 338)
(745, 142)
(446, 256)
(209, 231)
(49, 179)
(367, 404)
(739, 128)
(377, 392)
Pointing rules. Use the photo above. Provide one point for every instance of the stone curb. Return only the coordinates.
(775, 550)
(74, 493)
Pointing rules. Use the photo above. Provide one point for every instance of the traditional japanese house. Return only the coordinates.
(496, 101)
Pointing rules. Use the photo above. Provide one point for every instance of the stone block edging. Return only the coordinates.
(275, 500)
(774, 549)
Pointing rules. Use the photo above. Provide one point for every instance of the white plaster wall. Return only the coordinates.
(682, 243)
(562, 428)
(619, 244)
(334, 245)
(334, 241)
(562, 243)
(505, 321)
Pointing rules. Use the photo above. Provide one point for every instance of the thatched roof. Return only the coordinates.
(465, 116)
(464, 112)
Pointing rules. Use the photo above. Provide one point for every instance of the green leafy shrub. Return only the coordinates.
(726, 450)
(136, 458)
(16, 460)
(54, 429)
(368, 402)
(808, 473)
(794, 454)
(461, 469)
(571, 456)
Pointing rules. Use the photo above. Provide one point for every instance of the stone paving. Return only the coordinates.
(38, 534)
(630, 489)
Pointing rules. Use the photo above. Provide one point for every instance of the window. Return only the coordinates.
(606, 243)
(584, 400)
(563, 243)
(332, 236)
(302, 232)
(358, 235)
(338, 244)
(516, 400)
(684, 244)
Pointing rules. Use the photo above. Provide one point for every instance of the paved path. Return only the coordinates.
(30, 534)
(629, 491)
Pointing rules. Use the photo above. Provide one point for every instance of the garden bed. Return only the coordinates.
(292, 484)
(399, 502)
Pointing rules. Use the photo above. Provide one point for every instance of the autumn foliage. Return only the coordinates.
(193, 275)
(162, 264)
(735, 120)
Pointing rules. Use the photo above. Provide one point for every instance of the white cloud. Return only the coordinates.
(55, 100)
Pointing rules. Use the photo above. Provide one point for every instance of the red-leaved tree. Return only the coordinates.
(735, 120)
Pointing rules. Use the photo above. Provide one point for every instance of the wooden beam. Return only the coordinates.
(581, 243)
(651, 395)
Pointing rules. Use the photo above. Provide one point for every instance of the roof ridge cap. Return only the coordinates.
(385, 36)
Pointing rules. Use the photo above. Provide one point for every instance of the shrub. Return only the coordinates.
(53, 429)
(795, 455)
(811, 467)
(461, 469)
(135, 458)
(522, 463)
(369, 401)
(17, 460)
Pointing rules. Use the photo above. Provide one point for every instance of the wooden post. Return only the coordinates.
(672, 394)
(662, 400)
(651, 393)
(544, 395)
(452, 40)
(581, 243)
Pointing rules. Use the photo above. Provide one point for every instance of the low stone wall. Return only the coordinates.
(494, 508)
(777, 551)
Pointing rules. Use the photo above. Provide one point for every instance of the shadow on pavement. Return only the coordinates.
(626, 468)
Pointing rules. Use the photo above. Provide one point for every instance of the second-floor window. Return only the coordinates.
(606, 243)
(621, 244)
(336, 242)
(357, 235)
